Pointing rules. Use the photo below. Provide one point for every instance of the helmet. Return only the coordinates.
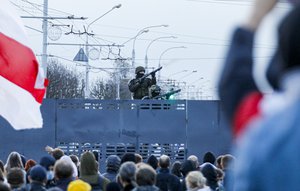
(154, 90)
(139, 69)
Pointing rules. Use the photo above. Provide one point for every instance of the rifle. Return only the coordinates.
(168, 94)
(146, 75)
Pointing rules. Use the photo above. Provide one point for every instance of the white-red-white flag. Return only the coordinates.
(22, 85)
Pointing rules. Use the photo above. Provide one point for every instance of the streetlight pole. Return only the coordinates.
(133, 50)
(144, 30)
(146, 55)
(87, 68)
(45, 34)
(159, 65)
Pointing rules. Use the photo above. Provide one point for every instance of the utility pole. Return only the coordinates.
(45, 18)
(88, 67)
(45, 35)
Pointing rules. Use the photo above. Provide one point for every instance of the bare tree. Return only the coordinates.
(103, 89)
(108, 89)
(98, 90)
(63, 82)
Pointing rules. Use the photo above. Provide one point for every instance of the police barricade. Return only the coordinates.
(149, 127)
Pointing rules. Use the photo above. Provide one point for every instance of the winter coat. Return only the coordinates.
(166, 181)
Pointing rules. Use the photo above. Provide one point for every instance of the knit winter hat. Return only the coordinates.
(79, 185)
(38, 173)
(47, 161)
(113, 162)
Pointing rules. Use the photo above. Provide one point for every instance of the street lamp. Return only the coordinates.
(163, 54)
(87, 88)
(146, 55)
(138, 34)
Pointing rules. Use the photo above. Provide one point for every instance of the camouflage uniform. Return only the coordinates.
(139, 88)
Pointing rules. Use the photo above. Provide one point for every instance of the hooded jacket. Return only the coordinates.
(89, 172)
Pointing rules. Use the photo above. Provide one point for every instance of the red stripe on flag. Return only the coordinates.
(19, 65)
(247, 110)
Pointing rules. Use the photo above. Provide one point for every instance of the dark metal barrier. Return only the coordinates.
(176, 128)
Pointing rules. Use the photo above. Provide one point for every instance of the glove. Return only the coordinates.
(153, 75)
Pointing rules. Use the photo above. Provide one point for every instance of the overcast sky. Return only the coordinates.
(203, 26)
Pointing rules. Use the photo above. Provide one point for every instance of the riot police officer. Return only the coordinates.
(140, 86)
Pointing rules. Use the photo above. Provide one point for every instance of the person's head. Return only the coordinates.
(128, 157)
(69, 160)
(175, 169)
(38, 174)
(74, 159)
(13, 160)
(186, 167)
(218, 162)
(113, 163)
(63, 170)
(194, 159)
(152, 161)
(220, 174)
(127, 172)
(79, 185)
(139, 71)
(48, 162)
(57, 153)
(195, 180)
(209, 157)
(88, 164)
(145, 175)
(15, 177)
(154, 90)
(164, 161)
(29, 164)
(227, 161)
(209, 172)
(138, 158)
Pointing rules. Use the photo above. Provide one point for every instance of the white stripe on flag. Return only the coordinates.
(21, 78)
(15, 102)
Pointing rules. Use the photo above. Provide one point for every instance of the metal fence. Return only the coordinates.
(176, 128)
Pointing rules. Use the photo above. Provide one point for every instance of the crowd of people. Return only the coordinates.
(265, 128)
(57, 171)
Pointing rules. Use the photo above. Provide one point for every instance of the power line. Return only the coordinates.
(183, 42)
(200, 58)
